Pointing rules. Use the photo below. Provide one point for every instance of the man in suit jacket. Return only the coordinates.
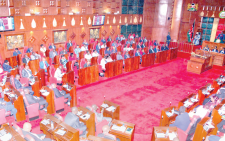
(18, 84)
(88, 64)
(29, 50)
(52, 54)
(44, 64)
(16, 52)
(107, 51)
(151, 50)
(114, 50)
(63, 61)
(105, 134)
(63, 52)
(26, 73)
(139, 45)
(6, 66)
(77, 50)
(103, 40)
(26, 59)
(61, 93)
(221, 126)
(206, 48)
(156, 49)
(163, 48)
(168, 38)
(85, 43)
(222, 51)
(109, 39)
(166, 47)
(52, 46)
(68, 45)
(183, 120)
(126, 55)
(137, 53)
(118, 38)
(114, 44)
(119, 56)
(34, 56)
(34, 99)
(37, 137)
(73, 120)
(8, 106)
(98, 47)
(100, 116)
(143, 45)
(215, 49)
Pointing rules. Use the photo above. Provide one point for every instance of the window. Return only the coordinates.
(207, 25)
(131, 29)
(132, 6)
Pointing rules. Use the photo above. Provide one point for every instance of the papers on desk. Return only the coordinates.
(210, 88)
(160, 135)
(221, 111)
(205, 92)
(79, 113)
(60, 132)
(85, 116)
(129, 130)
(45, 122)
(169, 114)
(44, 92)
(104, 105)
(172, 136)
(187, 103)
(111, 109)
(119, 128)
(208, 125)
(194, 100)
(163, 135)
(5, 136)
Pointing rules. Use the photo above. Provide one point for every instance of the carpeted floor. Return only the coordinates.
(144, 93)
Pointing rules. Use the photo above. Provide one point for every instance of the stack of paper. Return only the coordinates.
(194, 100)
(104, 105)
(172, 136)
(205, 92)
(60, 132)
(79, 113)
(119, 128)
(65, 86)
(187, 103)
(169, 114)
(111, 108)
(6, 137)
(45, 122)
(2, 132)
(85, 116)
(160, 135)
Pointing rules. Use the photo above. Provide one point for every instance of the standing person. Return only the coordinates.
(168, 39)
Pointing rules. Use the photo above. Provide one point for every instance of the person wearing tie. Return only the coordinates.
(137, 53)
(16, 52)
(52, 46)
(103, 40)
(85, 43)
(215, 49)
(52, 54)
(63, 52)
(206, 48)
(143, 45)
(145, 40)
(156, 43)
(168, 39)
(77, 50)
(156, 49)
(126, 55)
(151, 50)
(19, 85)
(44, 64)
(114, 44)
(26, 59)
(95, 53)
(6, 66)
(63, 61)
(222, 51)
(163, 48)
(139, 45)
(35, 56)
(98, 47)
(68, 45)
(26, 73)
(29, 50)
(107, 51)
(109, 39)
(118, 38)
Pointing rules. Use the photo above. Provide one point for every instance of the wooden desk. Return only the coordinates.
(161, 56)
(102, 52)
(132, 64)
(15, 135)
(81, 55)
(18, 103)
(122, 135)
(109, 72)
(47, 52)
(72, 93)
(19, 59)
(36, 87)
(41, 77)
(200, 132)
(162, 129)
(211, 45)
(216, 116)
(12, 61)
(71, 133)
(199, 65)
(95, 138)
(148, 60)
(165, 120)
(50, 99)
(113, 115)
(68, 77)
(68, 66)
(201, 96)
(56, 59)
(118, 67)
(90, 123)
(14, 72)
(94, 61)
(191, 107)
(113, 56)
(172, 53)
(88, 75)
(34, 66)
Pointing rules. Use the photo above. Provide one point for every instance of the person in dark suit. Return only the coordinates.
(34, 99)
(114, 50)
(137, 53)
(118, 38)
(139, 45)
(221, 126)
(143, 52)
(109, 39)
(98, 47)
(222, 51)
(26, 59)
(163, 48)
(107, 51)
(156, 43)
(16, 52)
(206, 48)
(168, 38)
(61, 93)
(156, 49)
(126, 55)
(29, 50)
(68, 45)
(37, 137)
(63, 61)
(143, 45)
(73, 120)
(151, 50)
(8, 106)
(26, 73)
(166, 47)
(18, 84)
(87, 64)
(105, 134)
(141, 40)
(215, 49)
(63, 52)
(52, 46)
(182, 120)
(103, 40)
(6, 66)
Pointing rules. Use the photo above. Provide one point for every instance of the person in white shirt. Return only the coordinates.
(35, 56)
(84, 48)
(95, 53)
(123, 38)
(103, 62)
(88, 56)
(58, 74)
(103, 45)
(131, 37)
(1, 69)
(43, 49)
(109, 59)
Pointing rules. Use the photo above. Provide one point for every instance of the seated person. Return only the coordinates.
(26, 73)
(52, 46)
(63, 52)
(221, 126)
(114, 44)
(156, 49)
(84, 48)
(182, 120)
(71, 57)
(215, 138)
(37, 137)
(44, 64)
(99, 116)
(105, 133)
(98, 47)
(166, 47)
(215, 49)
(163, 48)
(77, 50)
(143, 52)
(29, 50)
(107, 51)
(103, 40)
(43, 49)
(72, 120)
(131, 37)
(206, 48)
(119, 43)
(222, 51)
(109, 39)
(109, 59)
(35, 56)
(114, 50)
(123, 38)
(95, 53)
(143, 45)
(52, 54)
(88, 56)
(85, 43)
(18, 84)
(16, 52)
(136, 36)
(128, 42)
(145, 40)
(6, 66)
(34, 99)
(63, 61)
(68, 45)
(61, 93)
(141, 40)
(26, 59)
(132, 42)
(119, 56)
(155, 43)
(151, 50)
(103, 62)
(103, 45)
(8, 106)
(87, 64)
(126, 55)
(139, 45)
(118, 38)
(58, 74)
(137, 53)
